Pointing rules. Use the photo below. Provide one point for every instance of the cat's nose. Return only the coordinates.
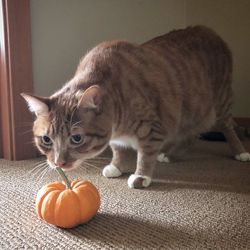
(60, 164)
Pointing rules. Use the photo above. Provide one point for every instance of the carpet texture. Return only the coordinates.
(199, 202)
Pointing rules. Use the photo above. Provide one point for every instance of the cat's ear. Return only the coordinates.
(37, 105)
(91, 98)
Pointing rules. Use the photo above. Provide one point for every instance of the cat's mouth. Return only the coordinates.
(66, 167)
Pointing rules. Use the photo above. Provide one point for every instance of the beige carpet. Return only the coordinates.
(200, 203)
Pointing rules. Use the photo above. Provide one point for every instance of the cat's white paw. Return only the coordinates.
(139, 181)
(163, 158)
(243, 157)
(111, 171)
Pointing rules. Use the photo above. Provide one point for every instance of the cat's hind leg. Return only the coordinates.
(162, 157)
(237, 148)
(176, 149)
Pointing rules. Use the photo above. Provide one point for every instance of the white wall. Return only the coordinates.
(63, 30)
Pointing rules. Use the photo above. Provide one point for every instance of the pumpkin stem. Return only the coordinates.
(64, 177)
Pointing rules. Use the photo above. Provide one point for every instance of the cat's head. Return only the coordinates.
(70, 127)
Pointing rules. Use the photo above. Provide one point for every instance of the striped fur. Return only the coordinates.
(161, 93)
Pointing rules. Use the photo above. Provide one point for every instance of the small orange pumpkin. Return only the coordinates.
(67, 205)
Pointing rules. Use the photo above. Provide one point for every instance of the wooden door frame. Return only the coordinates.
(16, 77)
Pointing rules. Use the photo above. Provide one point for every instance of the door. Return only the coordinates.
(16, 77)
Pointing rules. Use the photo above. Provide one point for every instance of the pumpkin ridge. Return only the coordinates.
(63, 203)
(49, 203)
(79, 204)
(93, 201)
(93, 190)
(42, 194)
(57, 185)
(74, 183)
(96, 195)
(80, 207)
(81, 183)
(86, 204)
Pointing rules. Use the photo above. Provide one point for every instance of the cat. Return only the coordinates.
(161, 93)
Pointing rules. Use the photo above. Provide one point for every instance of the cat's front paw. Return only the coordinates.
(243, 157)
(139, 181)
(111, 171)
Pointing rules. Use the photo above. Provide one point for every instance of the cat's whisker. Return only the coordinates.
(26, 132)
(52, 172)
(30, 142)
(38, 165)
(75, 124)
(73, 112)
(35, 175)
(45, 172)
(98, 160)
(37, 170)
(37, 178)
(43, 162)
(76, 127)
(24, 124)
(100, 157)
(90, 165)
(42, 174)
(96, 165)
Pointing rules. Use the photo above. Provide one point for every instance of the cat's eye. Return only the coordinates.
(76, 139)
(46, 140)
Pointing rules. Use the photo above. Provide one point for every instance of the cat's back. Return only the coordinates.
(197, 38)
(198, 51)
(200, 62)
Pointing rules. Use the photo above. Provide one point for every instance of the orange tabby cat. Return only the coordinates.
(161, 93)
